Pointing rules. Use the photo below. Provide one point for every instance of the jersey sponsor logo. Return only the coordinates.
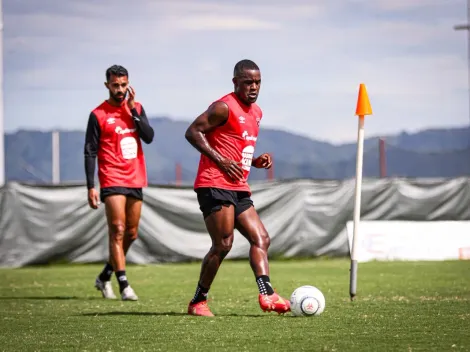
(129, 148)
(241, 119)
(120, 130)
(111, 120)
(247, 157)
(246, 137)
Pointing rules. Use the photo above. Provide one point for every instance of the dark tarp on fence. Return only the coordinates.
(39, 224)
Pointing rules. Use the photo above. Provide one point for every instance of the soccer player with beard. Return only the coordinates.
(113, 136)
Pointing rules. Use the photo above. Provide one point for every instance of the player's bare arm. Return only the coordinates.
(141, 122)
(214, 116)
(264, 161)
(92, 138)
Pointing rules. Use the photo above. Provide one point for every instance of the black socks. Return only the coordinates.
(122, 280)
(264, 285)
(106, 273)
(200, 295)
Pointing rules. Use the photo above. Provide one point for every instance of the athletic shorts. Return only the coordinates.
(212, 199)
(125, 191)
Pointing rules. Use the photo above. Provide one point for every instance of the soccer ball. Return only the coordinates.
(307, 301)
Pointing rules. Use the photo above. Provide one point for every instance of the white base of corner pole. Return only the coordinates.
(357, 207)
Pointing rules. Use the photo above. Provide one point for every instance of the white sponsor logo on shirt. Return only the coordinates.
(247, 137)
(120, 130)
(247, 157)
(129, 148)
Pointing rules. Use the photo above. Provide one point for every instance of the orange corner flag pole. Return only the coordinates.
(363, 104)
(363, 108)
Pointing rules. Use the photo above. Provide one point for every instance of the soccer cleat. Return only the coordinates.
(106, 288)
(128, 294)
(274, 302)
(200, 309)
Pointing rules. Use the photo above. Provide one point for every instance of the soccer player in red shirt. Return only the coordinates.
(113, 135)
(225, 135)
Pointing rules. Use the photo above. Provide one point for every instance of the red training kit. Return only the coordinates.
(235, 140)
(113, 135)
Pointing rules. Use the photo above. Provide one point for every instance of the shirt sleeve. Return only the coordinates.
(142, 125)
(92, 139)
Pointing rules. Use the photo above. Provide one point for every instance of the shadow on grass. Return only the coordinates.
(133, 313)
(47, 298)
(237, 315)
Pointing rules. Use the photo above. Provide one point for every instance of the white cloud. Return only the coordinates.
(313, 55)
(228, 22)
(262, 9)
(402, 5)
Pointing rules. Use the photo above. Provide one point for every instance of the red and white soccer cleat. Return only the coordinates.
(274, 302)
(200, 309)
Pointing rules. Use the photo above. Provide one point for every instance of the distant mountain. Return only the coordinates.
(430, 153)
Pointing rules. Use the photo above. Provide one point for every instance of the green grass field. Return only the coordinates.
(400, 307)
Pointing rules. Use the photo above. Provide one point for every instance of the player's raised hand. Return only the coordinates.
(131, 98)
(263, 161)
(93, 198)
(232, 169)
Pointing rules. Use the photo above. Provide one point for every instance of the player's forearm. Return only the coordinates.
(146, 132)
(199, 141)
(90, 171)
(92, 140)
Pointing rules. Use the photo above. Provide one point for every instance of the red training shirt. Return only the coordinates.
(235, 140)
(113, 135)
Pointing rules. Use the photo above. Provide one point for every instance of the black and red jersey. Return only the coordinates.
(114, 136)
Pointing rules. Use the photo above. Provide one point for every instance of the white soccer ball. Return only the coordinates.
(307, 301)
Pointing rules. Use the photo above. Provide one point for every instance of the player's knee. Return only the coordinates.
(132, 233)
(117, 231)
(263, 241)
(224, 246)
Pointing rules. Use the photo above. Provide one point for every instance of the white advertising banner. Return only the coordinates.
(411, 240)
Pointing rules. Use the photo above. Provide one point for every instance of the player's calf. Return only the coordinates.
(117, 238)
(210, 266)
(130, 236)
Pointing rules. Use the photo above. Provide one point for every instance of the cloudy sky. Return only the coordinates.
(312, 53)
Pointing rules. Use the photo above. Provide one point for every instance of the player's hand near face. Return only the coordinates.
(131, 98)
(264, 161)
(93, 198)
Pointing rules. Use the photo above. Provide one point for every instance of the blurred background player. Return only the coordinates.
(225, 135)
(113, 134)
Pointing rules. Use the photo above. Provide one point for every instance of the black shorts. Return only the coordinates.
(125, 191)
(212, 199)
